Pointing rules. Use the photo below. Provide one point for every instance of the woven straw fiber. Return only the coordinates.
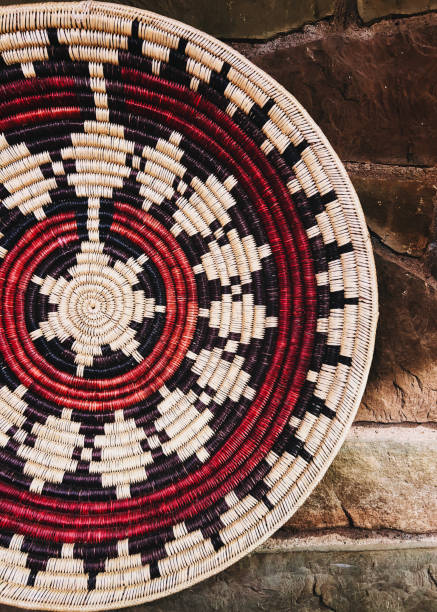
(188, 306)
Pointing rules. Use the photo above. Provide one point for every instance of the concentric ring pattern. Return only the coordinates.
(188, 306)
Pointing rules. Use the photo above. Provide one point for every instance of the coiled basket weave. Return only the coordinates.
(187, 306)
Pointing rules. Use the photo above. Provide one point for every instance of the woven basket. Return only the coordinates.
(188, 306)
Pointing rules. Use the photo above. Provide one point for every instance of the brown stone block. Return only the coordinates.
(398, 203)
(371, 90)
(402, 384)
(375, 9)
(382, 478)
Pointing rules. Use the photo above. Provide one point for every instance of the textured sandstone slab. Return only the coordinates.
(382, 478)
(372, 90)
(238, 18)
(374, 9)
(402, 384)
(398, 202)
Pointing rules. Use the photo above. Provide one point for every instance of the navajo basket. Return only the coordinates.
(187, 306)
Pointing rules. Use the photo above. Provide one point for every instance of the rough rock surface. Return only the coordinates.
(398, 202)
(374, 9)
(382, 478)
(351, 83)
(402, 383)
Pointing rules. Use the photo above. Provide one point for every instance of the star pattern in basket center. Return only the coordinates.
(95, 304)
